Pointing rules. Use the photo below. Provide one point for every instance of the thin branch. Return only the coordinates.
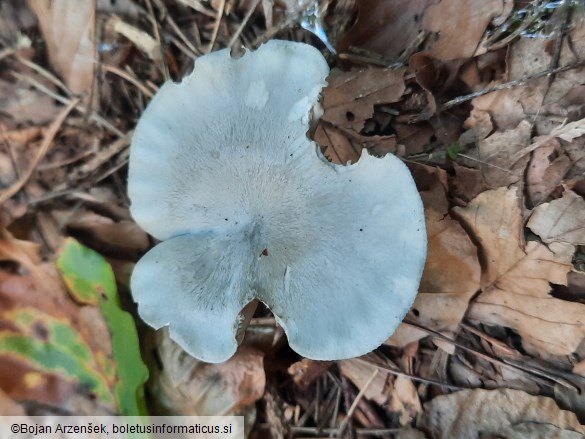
(128, 77)
(216, 26)
(354, 405)
(505, 86)
(66, 101)
(244, 23)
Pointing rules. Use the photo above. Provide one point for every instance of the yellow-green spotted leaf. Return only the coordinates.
(91, 281)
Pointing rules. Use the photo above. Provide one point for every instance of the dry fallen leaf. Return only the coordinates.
(516, 278)
(348, 102)
(20, 105)
(404, 400)
(459, 26)
(349, 98)
(306, 371)
(478, 126)
(501, 413)
(567, 132)
(189, 387)
(451, 278)
(545, 171)
(561, 220)
(122, 239)
(49, 353)
(495, 156)
(387, 28)
(452, 271)
(68, 28)
(359, 372)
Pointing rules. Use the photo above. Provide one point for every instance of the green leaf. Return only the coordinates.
(91, 281)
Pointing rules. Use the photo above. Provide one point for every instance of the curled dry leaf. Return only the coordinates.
(515, 281)
(514, 414)
(188, 387)
(561, 220)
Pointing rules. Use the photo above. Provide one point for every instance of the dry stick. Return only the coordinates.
(507, 85)
(47, 142)
(534, 369)
(244, 23)
(45, 73)
(66, 101)
(283, 25)
(190, 50)
(216, 26)
(183, 48)
(128, 77)
(354, 405)
(154, 21)
(526, 23)
(393, 371)
(119, 146)
(6, 52)
(494, 360)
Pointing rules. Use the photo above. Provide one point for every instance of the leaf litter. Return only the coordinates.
(483, 101)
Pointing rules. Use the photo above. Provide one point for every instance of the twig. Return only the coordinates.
(131, 79)
(156, 31)
(283, 25)
(489, 358)
(118, 147)
(393, 371)
(216, 26)
(6, 52)
(354, 405)
(66, 101)
(45, 73)
(244, 23)
(526, 23)
(505, 86)
(44, 148)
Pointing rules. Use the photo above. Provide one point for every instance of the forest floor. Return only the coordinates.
(484, 100)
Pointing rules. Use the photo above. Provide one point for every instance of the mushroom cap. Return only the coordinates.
(222, 170)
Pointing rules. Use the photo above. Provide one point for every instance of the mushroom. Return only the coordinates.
(247, 208)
